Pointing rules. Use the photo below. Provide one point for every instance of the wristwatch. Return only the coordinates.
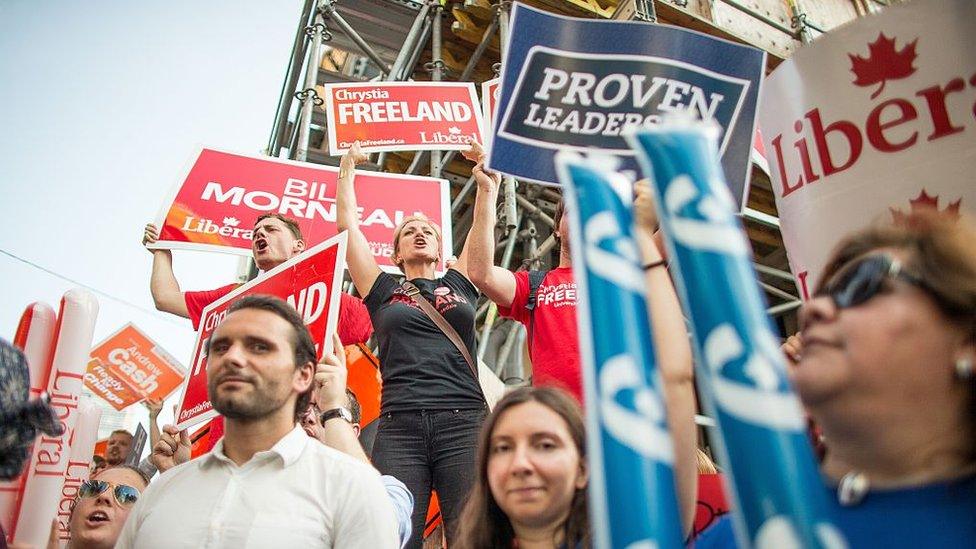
(341, 412)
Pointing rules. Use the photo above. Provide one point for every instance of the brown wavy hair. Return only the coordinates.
(483, 524)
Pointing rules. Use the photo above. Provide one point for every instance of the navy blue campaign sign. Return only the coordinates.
(630, 453)
(575, 84)
(777, 488)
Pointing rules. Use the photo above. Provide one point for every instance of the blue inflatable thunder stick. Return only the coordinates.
(630, 453)
(774, 480)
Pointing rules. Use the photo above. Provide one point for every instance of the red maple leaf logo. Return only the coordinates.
(925, 202)
(883, 63)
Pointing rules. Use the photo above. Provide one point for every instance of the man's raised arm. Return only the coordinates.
(163, 285)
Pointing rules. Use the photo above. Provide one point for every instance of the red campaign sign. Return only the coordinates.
(489, 101)
(402, 116)
(213, 207)
(309, 282)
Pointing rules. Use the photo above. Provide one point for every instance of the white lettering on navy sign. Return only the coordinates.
(767, 401)
(568, 100)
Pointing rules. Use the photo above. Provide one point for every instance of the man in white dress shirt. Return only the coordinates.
(266, 483)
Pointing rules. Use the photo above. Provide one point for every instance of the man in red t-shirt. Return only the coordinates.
(276, 239)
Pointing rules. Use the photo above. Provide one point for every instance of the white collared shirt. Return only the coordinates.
(297, 494)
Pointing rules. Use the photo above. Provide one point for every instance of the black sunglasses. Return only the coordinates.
(125, 495)
(859, 281)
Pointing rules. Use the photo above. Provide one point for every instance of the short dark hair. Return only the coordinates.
(301, 339)
(120, 432)
(289, 222)
(354, 407)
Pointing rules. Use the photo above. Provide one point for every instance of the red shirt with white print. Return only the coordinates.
(554, 347)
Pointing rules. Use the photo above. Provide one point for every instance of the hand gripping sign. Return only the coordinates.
(558, 93)
(309, 282)
(213, 207)
(402, 116)
(632, 495)
(128, 367)
(775, 483)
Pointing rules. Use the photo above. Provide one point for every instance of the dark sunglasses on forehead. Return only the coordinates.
(125, 495)
(860, 280)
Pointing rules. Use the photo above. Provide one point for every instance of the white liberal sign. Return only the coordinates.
(872, 121)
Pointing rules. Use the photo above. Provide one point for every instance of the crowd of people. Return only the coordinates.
(884, 365)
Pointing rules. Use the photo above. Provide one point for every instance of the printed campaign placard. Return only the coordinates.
(128, 367)
(490, 90)
(310, 282)
(215, 203)
(576, 84)
(872, 121)
(402, 116)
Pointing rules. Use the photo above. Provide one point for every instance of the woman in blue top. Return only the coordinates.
(884, 365)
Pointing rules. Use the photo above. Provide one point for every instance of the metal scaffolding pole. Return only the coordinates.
(506, 348)
(398, 70)
(329, 10)
(436, 73)
(490, 319)
(308, 96)
(292, 75)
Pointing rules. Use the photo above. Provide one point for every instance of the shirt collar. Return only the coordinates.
(289, 448)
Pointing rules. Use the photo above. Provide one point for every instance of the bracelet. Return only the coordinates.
(655, 264)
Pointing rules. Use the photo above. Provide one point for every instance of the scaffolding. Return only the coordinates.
(397, 40)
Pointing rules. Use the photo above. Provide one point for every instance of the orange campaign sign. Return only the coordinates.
(402, 116)
(128, 367)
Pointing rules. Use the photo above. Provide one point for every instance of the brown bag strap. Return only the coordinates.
(414, 292)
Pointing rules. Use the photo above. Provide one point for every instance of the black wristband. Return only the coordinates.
(654, 264)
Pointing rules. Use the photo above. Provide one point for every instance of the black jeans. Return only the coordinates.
(430, 449)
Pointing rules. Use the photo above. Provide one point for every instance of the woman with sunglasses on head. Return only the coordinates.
(530, 490)
(884, 366)
(103, 504)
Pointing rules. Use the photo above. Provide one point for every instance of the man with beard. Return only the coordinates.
(117, 448)
(266, 483)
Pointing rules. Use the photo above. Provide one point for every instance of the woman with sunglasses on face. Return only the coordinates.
(103, 504)
(530, 490)
(884, 366)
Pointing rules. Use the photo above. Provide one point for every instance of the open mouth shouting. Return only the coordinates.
(260, 245)
(96, 518)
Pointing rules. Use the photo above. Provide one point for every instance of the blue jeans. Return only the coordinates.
(430, 449)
